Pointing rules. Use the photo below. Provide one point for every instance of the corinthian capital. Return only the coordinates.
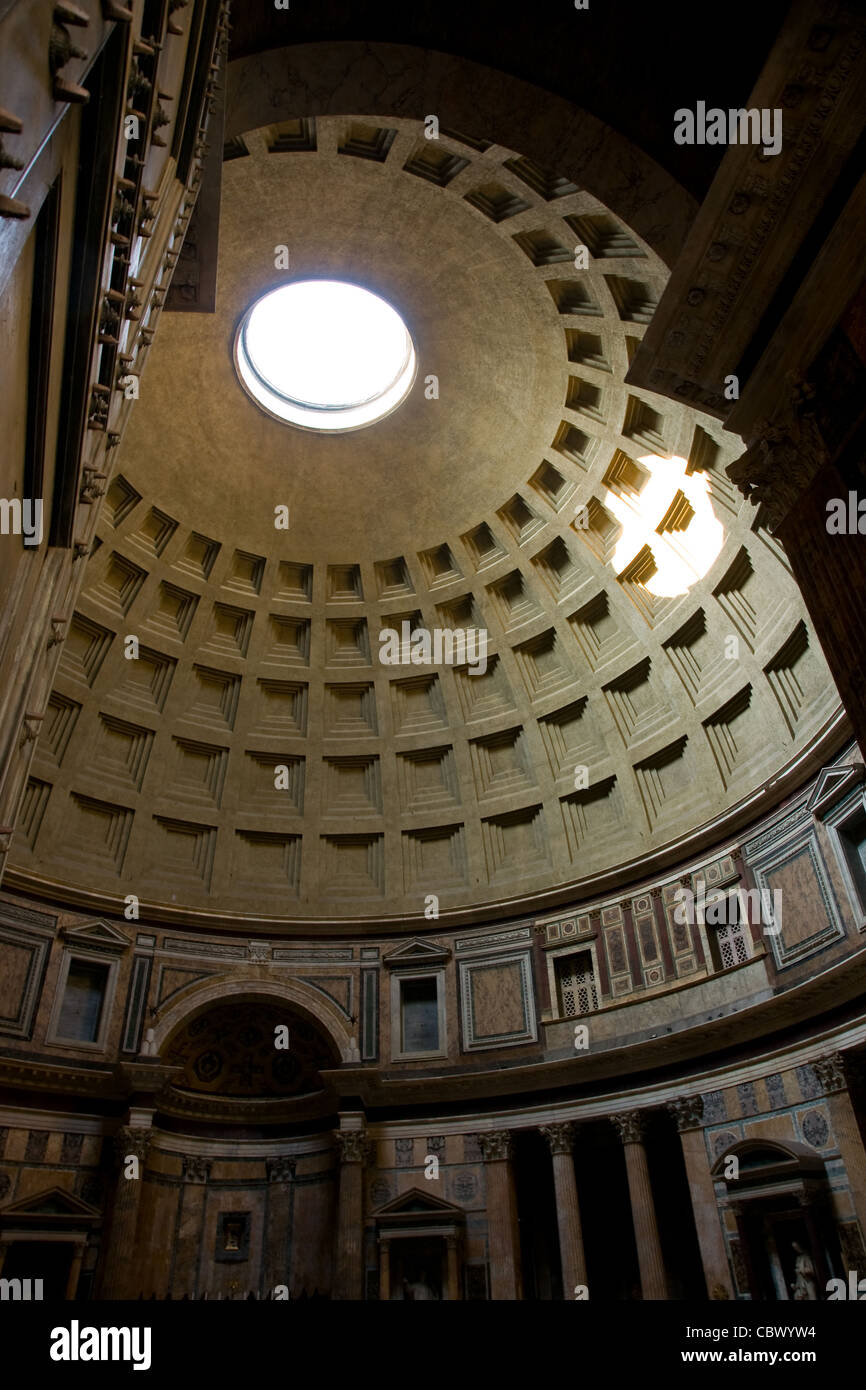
(783, 456)
(354, 1146)
(688, 1111)
(280, 1169)
(560, 1137)
(630, 1125)
(131, 1141)
(830, 1072)
(196, 1169)
(496, 1144)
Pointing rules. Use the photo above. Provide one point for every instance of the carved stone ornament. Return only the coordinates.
(783, 456)
(131, 1140)
(560, 1137)
(688, 1111)
(280, 1169)
(630, 1125)
(196, 1169)
(496, 1145)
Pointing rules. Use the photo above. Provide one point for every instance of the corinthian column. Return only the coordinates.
(631, 1127)
(688, 1113)
(503, 1233)
(120, 1261)
(834, 1073)
(560, 1138)
(354, 1150)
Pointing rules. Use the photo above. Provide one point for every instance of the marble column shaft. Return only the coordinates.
(281, 1175)
(120, 1259)
(560, 1138)
(832, 1072)
(503, 1232)
(688, 1111)
(653, 1282)
(349, 1264)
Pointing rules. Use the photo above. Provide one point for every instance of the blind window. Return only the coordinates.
(83, 999)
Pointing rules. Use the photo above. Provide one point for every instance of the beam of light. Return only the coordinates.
(682, 556)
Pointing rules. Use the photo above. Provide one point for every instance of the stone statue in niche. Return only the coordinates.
(419, 1291)
(232, 1233)
(805, 1286)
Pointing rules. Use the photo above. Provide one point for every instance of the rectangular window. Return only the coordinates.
(575, 980)
(83, 1000)
(419, 1007)
(852, 836)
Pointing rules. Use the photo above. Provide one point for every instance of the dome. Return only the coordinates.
(517, 636)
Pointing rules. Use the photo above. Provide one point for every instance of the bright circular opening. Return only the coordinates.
(325, 355)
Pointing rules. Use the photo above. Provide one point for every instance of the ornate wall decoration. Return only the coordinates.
(816, 1130)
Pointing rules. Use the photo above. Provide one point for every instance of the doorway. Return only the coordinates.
(48, 1260)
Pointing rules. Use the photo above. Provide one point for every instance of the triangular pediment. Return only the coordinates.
(54, 1201)
(417, 1202)
(832, 785)
(101, 935)
(417, 952)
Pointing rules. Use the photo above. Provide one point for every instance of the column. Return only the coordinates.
(384, 1268)
(119, 1261)
(452, 1274)
(631, 1127)
(688, 1112)
(834, 1073)
(560, 1138)
(353, 1146)
(190, 1230)
(74, 1270)
(281, 1175)
(503, 1232)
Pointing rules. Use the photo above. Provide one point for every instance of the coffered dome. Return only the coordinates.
(648, 673)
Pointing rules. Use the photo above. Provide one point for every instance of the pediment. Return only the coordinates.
(54, 1201)
(832, 785)
(417, 1202)
(101, 935)
(417, 952)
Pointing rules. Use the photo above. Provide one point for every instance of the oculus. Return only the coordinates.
(325, 355)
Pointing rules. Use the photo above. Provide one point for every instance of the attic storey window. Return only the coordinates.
(419, 1000)
(83, 1001)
